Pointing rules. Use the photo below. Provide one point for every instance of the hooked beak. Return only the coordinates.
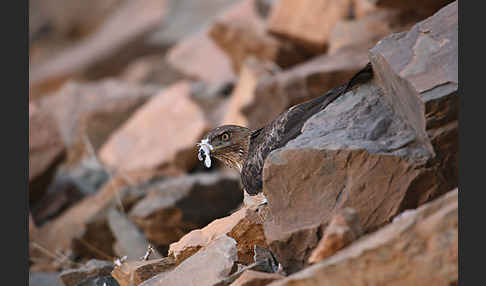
(205, 152)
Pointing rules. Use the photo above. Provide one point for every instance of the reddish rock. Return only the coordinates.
(98, 54)
(305, 81)
(245, 226)
(252, 72)
(207, 267)
(241, 33)
(343, 229)
(381, 148)
(93, 111)
(46, 151)
(419, 249)
(135, 272)
(160, 135)
(255, 278)
(198, 57)
(307, 23)
(174, 207)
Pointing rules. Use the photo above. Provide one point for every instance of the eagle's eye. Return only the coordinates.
(225, 137)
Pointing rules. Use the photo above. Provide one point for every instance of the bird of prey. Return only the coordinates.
(245, 150)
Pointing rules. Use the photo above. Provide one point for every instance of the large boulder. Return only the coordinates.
(160, 137)
(419, 248)
(386, 146)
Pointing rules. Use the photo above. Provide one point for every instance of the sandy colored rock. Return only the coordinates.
(135, 272)
(245, 226)
(241, 33)
(122, 30)
(255, 278)
(307, 23)
(343, 229)
(421, 248)
(46, 151)
(174, 207)
(305, 81)
(93, 110)
(198, 57)
(161, 134)
(208, 266)
(252, 72)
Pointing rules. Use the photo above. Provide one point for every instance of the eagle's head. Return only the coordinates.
(227, 143)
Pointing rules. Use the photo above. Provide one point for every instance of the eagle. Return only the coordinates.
(246, 150)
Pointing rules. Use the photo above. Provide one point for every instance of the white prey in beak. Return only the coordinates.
(205, 151)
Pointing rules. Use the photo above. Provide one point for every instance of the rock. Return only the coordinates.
(241, 33)
(419, 72)
(255, 278)
(55, 202)
(93, 110)
(198, 57)
(174, 207)
(305, 81)
(151, 69)
(159, 137)
(131, 241)
(61, 233)
(135, 272)
(373, 149)
(245, 226)
(44, 279)
(343, 229)
(92, 269)
(46, 151)
(363, 32)
(307, 23)
(362, 8)
(100, 53)
(419, 249)
(208, 266)
(424, 7)
(251, 73)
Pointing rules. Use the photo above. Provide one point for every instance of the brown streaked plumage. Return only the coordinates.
(246, 150)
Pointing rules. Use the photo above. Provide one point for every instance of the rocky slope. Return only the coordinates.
(366, 195)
